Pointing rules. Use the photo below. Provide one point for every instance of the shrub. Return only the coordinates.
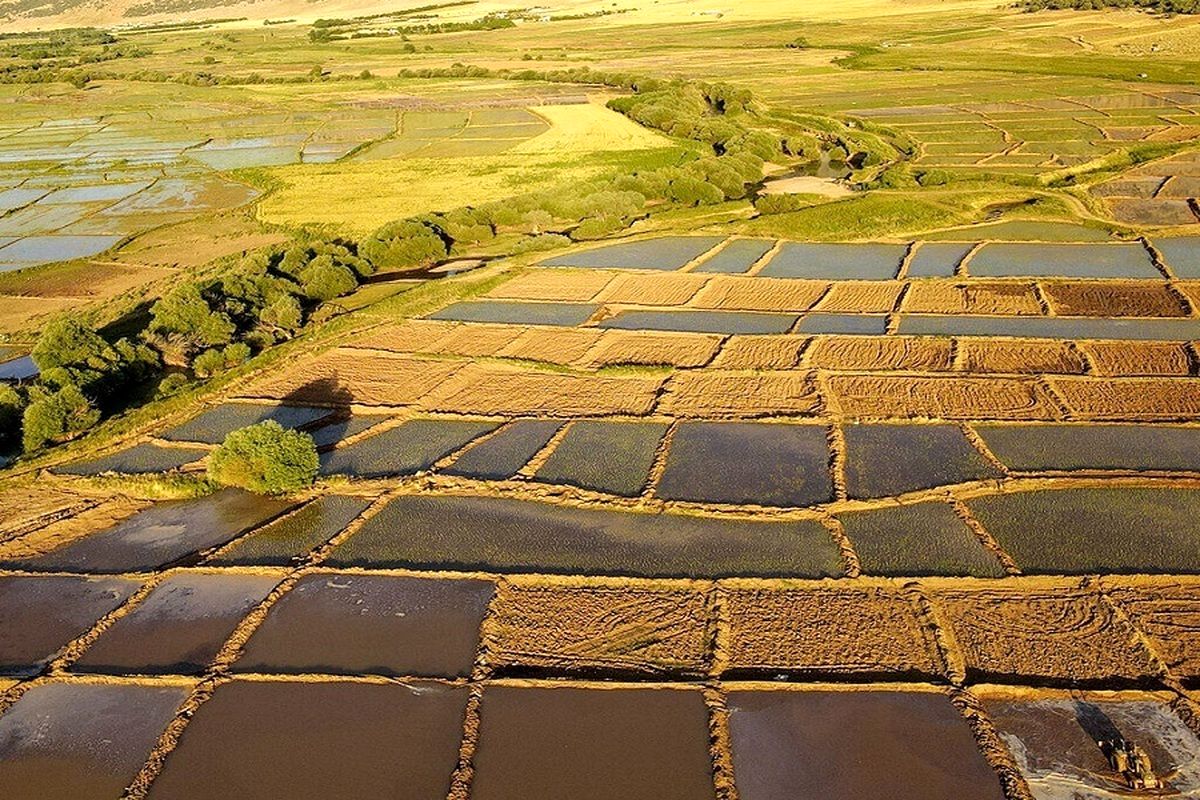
(265, 459)
(403, 245)
(56, 416)
(217, 360)
(173, 384)
(783, 203)
(597, 228)
(185, 313)
(324, 280)
(67, 343)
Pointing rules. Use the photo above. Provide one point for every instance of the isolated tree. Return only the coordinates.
(265, 459)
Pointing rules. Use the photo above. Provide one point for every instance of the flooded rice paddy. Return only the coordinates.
(596, 534)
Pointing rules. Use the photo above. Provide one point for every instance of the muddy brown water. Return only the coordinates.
(855, 745)
(507, 535)
(665, 253)
(371, 624)
(611, 457)
(1096, 531)
(81, 742)
(777, 465)
(318, 741)
(1055, 745)
(412, 447)
(502, 456)
(558, 743)
(179, 627)
(212, 426)
(168, 533)
(39, 614)
(1094, 447)
(289, 538)
(916, 540)
(886, 460)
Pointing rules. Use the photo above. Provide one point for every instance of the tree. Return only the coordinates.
(324, 280)
(403, 245)
(67, 343)
(265, 459)
(11, 406)
(56, 416)
(185, 313)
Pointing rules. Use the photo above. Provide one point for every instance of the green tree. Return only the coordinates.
(403, 245)
(265, 459)
(56, 416)
(185, 313)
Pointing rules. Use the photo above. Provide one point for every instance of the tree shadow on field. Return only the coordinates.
(327, 392)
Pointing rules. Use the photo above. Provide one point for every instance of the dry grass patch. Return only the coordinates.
(650, 348)
(1034, 357)
(1063, 634)
(598, 629)
(939, 297)
(1168, 612)
(865, 297)
(1130, 398)
(668, 289)
(500, 389)
(735, 394)
(1138, 358)
(552, 345)
(761, 352)
(907, 353)
(478, 340)
(409, 336)
(345, 376)
(1095, 299)
(563, 285)
(939, 397)
(867, 630)
(732, 293)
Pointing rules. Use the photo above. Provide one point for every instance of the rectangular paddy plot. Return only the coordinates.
(1167, 612)
(1182, 256)
(288, 539)
(412, 447)
(212, 426)
(179, 628)
(886, 460)
(162, 535)
(136, 460)
(611, 457)
(1007, 260)
(601, 631)
(1176, 330)
(317, 740)
(916, 540)
(937, 259)
(592, 744)
(666, 253)
(64, 741)
(880, 262)
(737, 257)
(748, 463)
(505, 535)
(371, 625)
(1096, 531)
(41, 614)
(1061, 744)
(500, 457)
(840, 745)
(849, 324)
(854, 632)
(1059, 635)
(337, 431)
(730, 322)
(515, 312)
(1031, 448)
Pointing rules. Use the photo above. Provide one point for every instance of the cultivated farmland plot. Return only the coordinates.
(763, 403)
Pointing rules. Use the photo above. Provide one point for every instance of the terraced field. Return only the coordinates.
(684, 516)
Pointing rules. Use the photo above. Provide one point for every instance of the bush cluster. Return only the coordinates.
(265, 459)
